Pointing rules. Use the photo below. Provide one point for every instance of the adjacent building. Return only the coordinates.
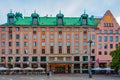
(59, 44)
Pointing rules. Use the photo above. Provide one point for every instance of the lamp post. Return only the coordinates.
(89, 65)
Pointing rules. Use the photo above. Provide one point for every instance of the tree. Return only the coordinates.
(115, 58)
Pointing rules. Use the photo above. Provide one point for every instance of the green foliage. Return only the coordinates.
(115, 58)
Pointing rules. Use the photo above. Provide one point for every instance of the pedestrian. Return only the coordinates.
(48, 74)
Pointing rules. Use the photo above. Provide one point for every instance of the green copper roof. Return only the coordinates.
(52, 21)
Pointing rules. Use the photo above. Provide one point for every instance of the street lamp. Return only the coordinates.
(89, 64)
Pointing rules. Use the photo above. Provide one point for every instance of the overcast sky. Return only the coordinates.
(72, 8)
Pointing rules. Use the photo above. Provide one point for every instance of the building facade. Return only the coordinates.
(59, 44)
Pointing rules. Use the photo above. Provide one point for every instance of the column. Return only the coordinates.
(72, 68)
(72, 41)
(81, 68)
(13, 41)
(39, 41)
(6, 46)
(56, 42)
(48, 69)
(21, 46)
(64, 42)
(81, 41)
(47, 42)
(30, 41)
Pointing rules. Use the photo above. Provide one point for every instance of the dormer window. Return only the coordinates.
(34, 21)
(59, 21)
(84, 21)
(11, 20)
(10, 17)
(35, 18)
(59, 18)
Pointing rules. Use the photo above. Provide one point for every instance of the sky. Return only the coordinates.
(73, 8)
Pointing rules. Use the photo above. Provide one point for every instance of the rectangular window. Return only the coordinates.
(34, 44)
(93, 51)
(85, 51)
(85, 58)
(25, 29)
(43, 36)
(76, 51)
(25, 51)
(10, 36)
(116, 31)
(105, 46)
(51, 29)
(25, 59)
(59, 43)
(99, 46)
(35, 59)
(68, 29)
(99, 38)
(76, 36)
(3, 29)
(111, 38)
(105, 53)
(99, 31)
(34, 36)
(111, 31)
(93, 30)
(116, 38)
(10, 51)
(76, 58)
(17, 51)
(2, 36)
(43, 51)
(17, 36)
(43, 29)
(105, 38)
(111, 46)
(17, 59)
(68, 49)
(10, 43)
(68, 43)
(93, 36)
(68, 36)
(25, 43)
(34, 29)
(25, 36)
(100, 53)
(116, 45)
(17, 43)
(34, 51)
(60, 36)
(3, 44)
(85, 36)
(51, 49)
(3, 51)
(76, 29)
(60, 49)
(51, 36)
(35, 21)
(51, 44)
(43, 43)
(84, 44)
(105, 31)
(43, 58)
(76, 43)
(17, 29)
(93, 43)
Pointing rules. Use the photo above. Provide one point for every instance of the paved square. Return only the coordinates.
(59, 77)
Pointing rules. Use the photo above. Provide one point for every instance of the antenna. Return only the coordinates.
(84, 11)
(34, 11)
(10, 10)
(60, 11)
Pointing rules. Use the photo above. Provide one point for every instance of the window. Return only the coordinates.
(105, 32)
(25, 59)
(76, 43)
(17, 43)
(93, 36)
(10, 51)
(25, 29)
(68, 49)
(99, 31)
(85, 30)
(43, 29)
(2, 59)
(43, 43)
(3, 51)
(34, 36)
(60, 36)
(51, 44)
(51, 49)
(25, 36)
(17, 36)
(111, 31)
(105, 53)
(68, 29)
(76, 36)
(51, 29)
(93, 30)
(100, 53)
(3, 29)
(17, 59)
(43, 58)
(99, 46)
(85, 58)
(10, 36)
(59, 21)
(76, 29)
(60, 49)
(76, 50)
(34, 51)
(68, 36)
(76, 58)
(116, 45)
(60, 44)
(43, 51)
(84, 21)
(25, 43)
(105, 46)
(111, 46)
(35, 21)
(43, 36)
(111, 38)
(105, 38)
(34, 44)
(93, 50)
(17, 29)
(3, 44)
(25, 51)
(10, 43)
(34, 29)
(17, 51)
(99, 38)
(85, 36)
(34, 58)
(85, 44)
(51, 36)
(116, 31)
(85, 51)
(3, 36)
(93, 44)
(68, 43)
(116, 38)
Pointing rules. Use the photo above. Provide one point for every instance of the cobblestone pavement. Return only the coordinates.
(59, 77)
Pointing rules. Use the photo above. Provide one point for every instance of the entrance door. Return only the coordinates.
(59, 69)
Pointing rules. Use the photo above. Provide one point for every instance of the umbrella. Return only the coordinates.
(28, 68)
(16, 68)
(97, 68)
(39, 68)
(107, 69)
(3, 68)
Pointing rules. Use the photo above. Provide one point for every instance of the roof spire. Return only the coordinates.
(84, 11)
(34, 11)
(10, 10)
(60, 11)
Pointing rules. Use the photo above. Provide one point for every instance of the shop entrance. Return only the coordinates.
(60, 68)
